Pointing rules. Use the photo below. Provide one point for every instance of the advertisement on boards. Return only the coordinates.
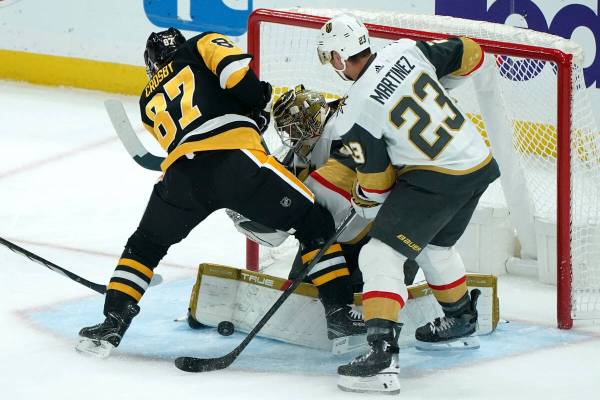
(115, 31)
(578, 20)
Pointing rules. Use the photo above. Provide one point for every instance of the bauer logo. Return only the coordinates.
(562, 23)
(200, 15)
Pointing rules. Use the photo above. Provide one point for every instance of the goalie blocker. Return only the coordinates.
(242, 297)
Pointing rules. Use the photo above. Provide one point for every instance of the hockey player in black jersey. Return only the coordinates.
(205, 107)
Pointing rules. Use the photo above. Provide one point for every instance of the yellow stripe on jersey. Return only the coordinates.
(471, 58)
(338, 174)
(447, 171)
(272, 162)
(377, 181)
(125, 289)
(236, 77)
(328, 277)
(213, 53)
(128, 262)
(238, 138)
(311, 254)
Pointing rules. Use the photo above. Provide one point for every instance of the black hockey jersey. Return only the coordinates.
(199, 99)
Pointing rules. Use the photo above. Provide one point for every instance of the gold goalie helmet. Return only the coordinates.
(299, 118)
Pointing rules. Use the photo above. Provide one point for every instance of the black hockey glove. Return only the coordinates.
(262, 119)
(267, 91)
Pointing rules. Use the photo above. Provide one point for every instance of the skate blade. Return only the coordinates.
(382, 383)
(466, 343)
(347, 344)
(95, 348)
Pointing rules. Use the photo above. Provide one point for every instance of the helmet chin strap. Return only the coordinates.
(340, 72)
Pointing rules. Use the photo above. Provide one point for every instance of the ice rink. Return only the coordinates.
(70, 193)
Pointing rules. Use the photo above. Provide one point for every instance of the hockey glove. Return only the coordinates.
(262, 114)
(267, 92)
(262, 119)
(364, 207)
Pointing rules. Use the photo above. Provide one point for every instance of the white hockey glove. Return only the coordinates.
(364, 207)
(257, 232)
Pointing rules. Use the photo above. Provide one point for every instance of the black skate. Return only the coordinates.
(345, 328)
(454, 330)
(376, 371)
(100, 339)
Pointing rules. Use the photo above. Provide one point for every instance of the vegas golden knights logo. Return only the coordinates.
(328, 27)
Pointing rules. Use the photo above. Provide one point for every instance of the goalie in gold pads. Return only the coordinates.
(206, 109)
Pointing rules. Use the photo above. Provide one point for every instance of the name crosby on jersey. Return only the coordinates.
(158, 77)
(385, 88)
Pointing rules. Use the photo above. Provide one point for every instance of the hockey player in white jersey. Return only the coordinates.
(421, 169)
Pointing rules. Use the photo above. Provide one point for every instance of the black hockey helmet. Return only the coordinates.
(158, 48)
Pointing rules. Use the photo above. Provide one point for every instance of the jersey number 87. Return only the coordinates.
(156, 109)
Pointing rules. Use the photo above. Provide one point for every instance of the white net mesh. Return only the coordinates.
(518, 116)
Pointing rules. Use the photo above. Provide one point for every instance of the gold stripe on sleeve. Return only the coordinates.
(236, 77)
(471, 58)
(212, 53)
(377, 181)
(337, 174)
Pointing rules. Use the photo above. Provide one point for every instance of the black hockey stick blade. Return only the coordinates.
(193, 364)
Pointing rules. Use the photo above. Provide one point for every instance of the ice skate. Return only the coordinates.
(455, 330)
(376, 371)
(345, 328)
(99, 340)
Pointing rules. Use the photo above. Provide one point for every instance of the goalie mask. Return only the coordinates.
(299, 119)
(159, 47)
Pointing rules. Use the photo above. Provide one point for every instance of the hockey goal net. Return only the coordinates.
(531, 107)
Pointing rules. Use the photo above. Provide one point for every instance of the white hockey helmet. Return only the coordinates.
(344, 34)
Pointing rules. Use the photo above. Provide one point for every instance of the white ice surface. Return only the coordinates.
(70, 192)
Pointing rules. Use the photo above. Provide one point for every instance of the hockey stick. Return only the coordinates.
(193, 364)
(96, 287)
(133, 145)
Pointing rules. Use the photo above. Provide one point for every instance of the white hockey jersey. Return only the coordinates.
(398, 115)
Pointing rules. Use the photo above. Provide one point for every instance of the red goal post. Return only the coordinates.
(564, 67)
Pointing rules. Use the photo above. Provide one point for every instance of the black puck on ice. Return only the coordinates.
(225, 328)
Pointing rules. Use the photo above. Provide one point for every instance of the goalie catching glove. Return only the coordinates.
(364, 207)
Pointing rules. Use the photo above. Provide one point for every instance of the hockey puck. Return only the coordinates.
(225, 328)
